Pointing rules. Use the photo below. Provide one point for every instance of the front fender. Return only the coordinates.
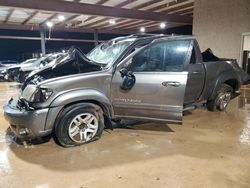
(225, 76)
(81, 95)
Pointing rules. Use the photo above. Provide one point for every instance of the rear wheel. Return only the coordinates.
(79, 124)
(221, 99)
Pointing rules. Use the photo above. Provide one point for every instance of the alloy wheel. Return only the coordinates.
(83, 127)
(223, 100)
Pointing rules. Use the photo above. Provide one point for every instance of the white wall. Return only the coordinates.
(246, 45)
(218, 24)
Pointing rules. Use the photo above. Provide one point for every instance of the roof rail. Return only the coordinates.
(142, 35)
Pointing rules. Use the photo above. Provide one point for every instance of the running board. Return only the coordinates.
(185, 108)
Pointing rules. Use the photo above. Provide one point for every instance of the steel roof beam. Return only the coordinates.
(90, 9)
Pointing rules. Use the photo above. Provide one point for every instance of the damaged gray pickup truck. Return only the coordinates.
(147, 77)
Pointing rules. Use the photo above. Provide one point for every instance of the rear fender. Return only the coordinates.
(224, 77)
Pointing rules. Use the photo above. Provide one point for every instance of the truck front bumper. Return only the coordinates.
(26, 124)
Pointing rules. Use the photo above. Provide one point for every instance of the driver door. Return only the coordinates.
(160, 82)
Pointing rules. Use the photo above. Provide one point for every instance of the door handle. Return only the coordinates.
(174, 84)
(195, 72)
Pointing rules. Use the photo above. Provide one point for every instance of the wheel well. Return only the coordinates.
(233, 83)
(106, 111)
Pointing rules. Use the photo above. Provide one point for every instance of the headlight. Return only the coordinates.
(32, 93)
(42, 94)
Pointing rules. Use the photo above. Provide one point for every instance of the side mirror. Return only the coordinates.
(128, 79)
(124, 72)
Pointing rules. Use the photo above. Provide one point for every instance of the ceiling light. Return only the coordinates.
(112, 22)
(142, 29)
(162, 25)
(49, 24)
(61, 17)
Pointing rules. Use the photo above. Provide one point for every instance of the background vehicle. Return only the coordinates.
(21, 71)
(11, 73)
(27, 68)
(4, 65)
(2, 71)
(9, 63)
(149, 77)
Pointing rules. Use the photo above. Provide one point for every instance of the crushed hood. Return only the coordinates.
(72, 62)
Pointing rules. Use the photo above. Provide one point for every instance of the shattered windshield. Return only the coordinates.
(107, 53)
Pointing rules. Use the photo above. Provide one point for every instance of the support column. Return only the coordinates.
(96, 37)
(43, 48)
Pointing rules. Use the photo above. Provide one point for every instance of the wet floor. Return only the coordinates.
(210, 149)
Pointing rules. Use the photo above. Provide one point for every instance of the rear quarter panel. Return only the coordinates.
(216, 73)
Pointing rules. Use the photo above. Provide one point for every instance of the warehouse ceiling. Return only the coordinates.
(107, 16)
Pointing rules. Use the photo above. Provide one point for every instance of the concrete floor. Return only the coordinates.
(211, 149)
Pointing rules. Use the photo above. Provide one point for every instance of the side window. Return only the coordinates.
(164, 56)
(175, 55)
(149, 59)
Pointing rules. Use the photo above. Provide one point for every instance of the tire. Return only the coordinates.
(221, 99)
(79, 124)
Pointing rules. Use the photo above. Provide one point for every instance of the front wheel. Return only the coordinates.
(79, 124)
(221, 99)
